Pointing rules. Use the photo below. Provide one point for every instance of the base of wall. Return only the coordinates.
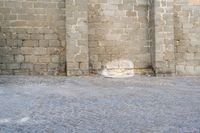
(77, 73)
(144, 71)
(140, 71)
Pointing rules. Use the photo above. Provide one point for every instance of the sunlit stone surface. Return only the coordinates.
(119, 69)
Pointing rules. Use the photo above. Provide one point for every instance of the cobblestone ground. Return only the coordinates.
(99, 105)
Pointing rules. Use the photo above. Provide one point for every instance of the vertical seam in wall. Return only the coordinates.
(154, 35)
(175, 63)
(149, 30)
(88, 38)
(66, 39)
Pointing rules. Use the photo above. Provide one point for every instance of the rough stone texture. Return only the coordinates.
(177, 37)
(32, 37)
(118, 29)
(78, 37)
(99, 105)
(164, 37)
(187, 37)
(119, 69)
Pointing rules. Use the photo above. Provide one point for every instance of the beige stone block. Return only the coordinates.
(44, 59)
(39, 51)
(37, 36)
(13, 66)
(30, 43)
(31, 59)
(19, 58)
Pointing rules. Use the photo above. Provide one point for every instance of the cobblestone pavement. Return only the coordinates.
(99, 105)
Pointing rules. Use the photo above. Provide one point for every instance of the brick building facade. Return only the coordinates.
(78, 37)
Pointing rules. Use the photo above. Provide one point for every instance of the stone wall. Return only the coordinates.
(151, 32)
(187, 37)
(78, 37)
(32, 37)
(164, 37)
(118, 29)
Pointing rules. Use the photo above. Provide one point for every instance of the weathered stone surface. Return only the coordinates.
(30, 31)
(119, 69)
(112, 28)
(75, 37)
(187, 36)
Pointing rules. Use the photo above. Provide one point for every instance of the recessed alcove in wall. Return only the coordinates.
(118, 30)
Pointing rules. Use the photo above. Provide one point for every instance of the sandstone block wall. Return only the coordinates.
(118, 29)
(187, 37)
(77, 53)
(32, 37)
(164, 37)
(177, 37)
(78, 37)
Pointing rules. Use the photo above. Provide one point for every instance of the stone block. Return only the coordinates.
(55, 59)
(23, 36)
(39, 51)
(28, 66)
(26, 50)
(44, 59)
(40, 67)
(43, 43)
(37, 36)
(2, 42)
(31, 59)
(54, 43)
(12, 66)
(30, 43)
(19, 58)
(51, 36)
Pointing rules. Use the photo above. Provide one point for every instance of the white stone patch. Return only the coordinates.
(2, 121)
(119, 69)
(23, 120)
